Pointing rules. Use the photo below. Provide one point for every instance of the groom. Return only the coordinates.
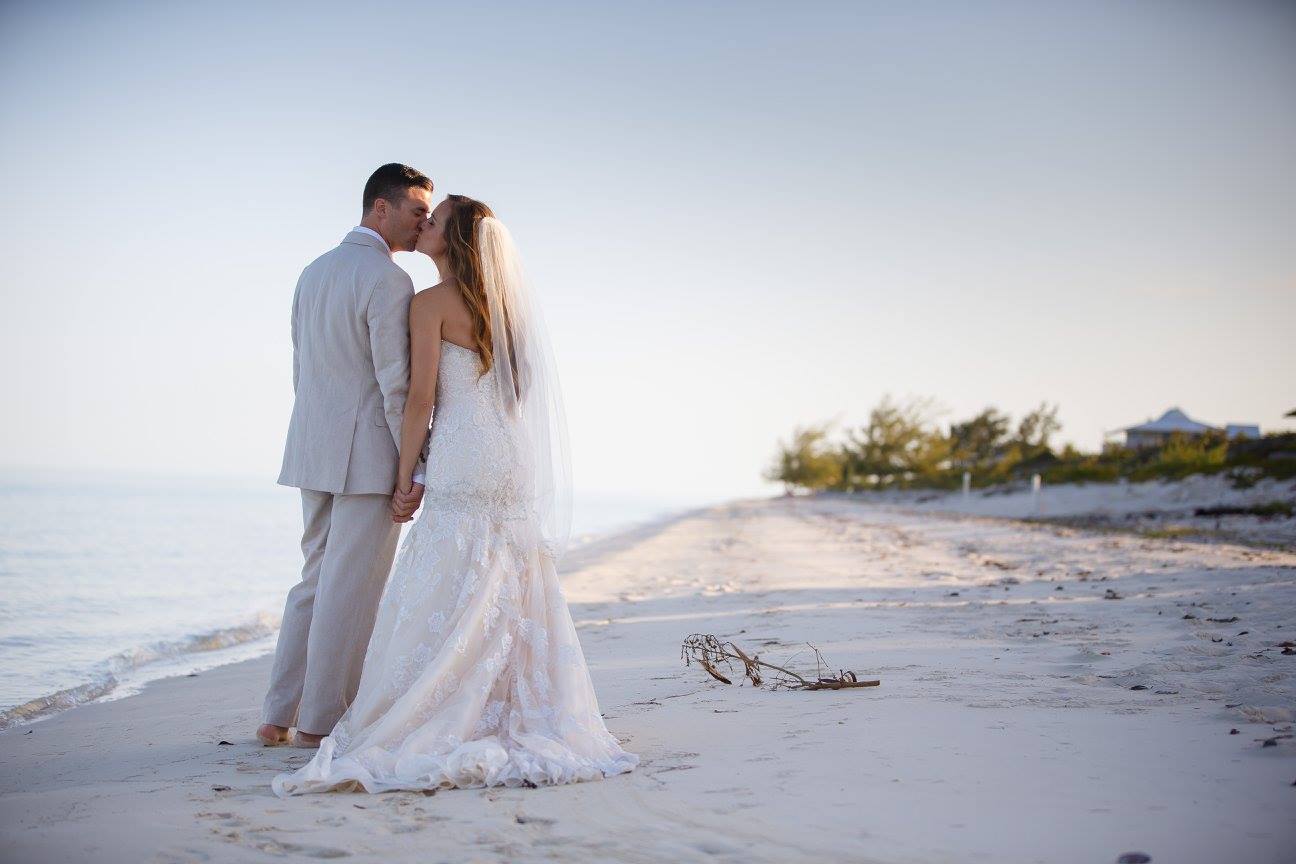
(350, 337)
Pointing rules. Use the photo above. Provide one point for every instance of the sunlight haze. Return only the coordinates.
(739, 217)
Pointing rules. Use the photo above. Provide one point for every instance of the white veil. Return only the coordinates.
(528, 384)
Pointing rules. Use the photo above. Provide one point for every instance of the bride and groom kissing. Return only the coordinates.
(459, 666)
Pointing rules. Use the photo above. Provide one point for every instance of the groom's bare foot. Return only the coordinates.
(271, 735)
(306, 739)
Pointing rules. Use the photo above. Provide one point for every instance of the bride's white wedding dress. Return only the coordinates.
(474, 675)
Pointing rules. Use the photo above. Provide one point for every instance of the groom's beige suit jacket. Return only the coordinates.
(350, 335)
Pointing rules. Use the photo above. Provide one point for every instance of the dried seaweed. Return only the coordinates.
(711, 654)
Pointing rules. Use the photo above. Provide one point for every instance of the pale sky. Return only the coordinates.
(740, 217)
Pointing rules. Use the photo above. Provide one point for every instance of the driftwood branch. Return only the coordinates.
(711, 654)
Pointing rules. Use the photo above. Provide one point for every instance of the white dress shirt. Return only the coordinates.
(419, 477)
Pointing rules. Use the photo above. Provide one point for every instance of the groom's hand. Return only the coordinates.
(401, 512)
(405, 502)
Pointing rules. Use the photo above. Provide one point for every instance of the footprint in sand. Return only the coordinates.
(225, 820)
(266, 843)
(742, 791)
(181, 856)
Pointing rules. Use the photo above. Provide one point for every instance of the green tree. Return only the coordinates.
(808, 461)
(976, 444)
(899, 445)
(1036, 428)
(1182, 455)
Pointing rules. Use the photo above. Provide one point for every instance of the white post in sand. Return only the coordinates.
(967, 486)
(1035, 492)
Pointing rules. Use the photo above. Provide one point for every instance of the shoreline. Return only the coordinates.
(1099, 508)
(127, 673)
(1024, 714)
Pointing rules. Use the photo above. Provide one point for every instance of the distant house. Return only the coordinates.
(1155, 433)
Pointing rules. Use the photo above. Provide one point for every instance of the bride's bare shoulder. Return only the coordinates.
(435, 301)
(444, 291)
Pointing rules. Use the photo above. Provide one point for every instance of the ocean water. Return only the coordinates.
(105, 585)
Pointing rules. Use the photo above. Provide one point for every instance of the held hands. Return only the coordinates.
(405, 500)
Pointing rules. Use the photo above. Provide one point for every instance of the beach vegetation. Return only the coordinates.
(903, 445)
(806, 461)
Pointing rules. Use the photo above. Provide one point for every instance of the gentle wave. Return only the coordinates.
(116, 668)
(66, 571)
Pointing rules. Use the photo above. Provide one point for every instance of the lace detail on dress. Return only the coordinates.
(474, 675)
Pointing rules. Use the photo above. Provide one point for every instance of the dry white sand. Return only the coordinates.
(1005, 728)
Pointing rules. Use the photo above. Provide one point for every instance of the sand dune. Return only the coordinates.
(1006, 727)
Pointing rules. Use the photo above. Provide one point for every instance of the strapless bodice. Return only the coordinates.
(475, 457)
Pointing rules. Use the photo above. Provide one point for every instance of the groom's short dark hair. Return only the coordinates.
(390, 182)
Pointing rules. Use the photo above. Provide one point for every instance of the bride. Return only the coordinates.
(474, 675)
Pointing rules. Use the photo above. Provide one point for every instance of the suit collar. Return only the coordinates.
(364, 238)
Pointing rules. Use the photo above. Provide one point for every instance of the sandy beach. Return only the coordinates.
(1048, 694)
(1185, 509)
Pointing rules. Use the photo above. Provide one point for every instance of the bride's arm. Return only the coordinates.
(425, 355)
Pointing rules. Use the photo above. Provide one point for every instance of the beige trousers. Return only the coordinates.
(349, 542)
